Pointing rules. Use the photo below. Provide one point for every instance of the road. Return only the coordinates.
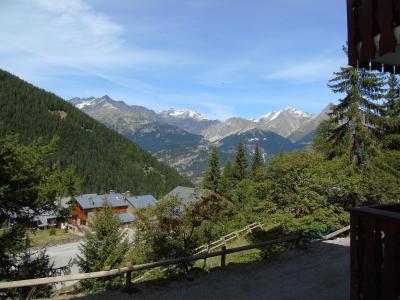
(62, 254)
(318, 272)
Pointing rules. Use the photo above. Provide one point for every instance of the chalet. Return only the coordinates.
(374, 43)
(85, 206)
(124, 206)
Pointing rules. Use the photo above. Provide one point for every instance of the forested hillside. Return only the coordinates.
(103, 158)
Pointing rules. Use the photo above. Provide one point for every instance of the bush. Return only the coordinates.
(52, 231)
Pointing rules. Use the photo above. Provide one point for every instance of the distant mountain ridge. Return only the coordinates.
(183, 137)
(104, 159)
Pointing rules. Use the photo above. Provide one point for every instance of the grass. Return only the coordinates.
(40, 238)
(239, 257)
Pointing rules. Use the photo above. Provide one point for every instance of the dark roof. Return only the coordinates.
(187, 194)
(142, 201)
(126, 218)
(90, 201)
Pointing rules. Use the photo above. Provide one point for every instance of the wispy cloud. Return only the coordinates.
(163, 54)
(67, 33)
(307, 71)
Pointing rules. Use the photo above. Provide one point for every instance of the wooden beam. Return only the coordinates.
(336, 233)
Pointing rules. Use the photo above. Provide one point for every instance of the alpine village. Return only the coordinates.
(107, 198)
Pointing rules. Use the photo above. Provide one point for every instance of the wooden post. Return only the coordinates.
(107, 279)
(128, 276)
(223, 256)
(205, 259)
(31, 292)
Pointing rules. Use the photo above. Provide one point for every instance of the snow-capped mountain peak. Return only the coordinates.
(268, 117)
(183, 114)
(81, 103)
(298, 112)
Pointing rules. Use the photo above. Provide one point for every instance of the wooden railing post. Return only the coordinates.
(128, 276)
(223, 256)
(31, 292)
(108, 282)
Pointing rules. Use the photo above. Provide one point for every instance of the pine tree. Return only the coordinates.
(228, 181)
(213, 172)
(257, 166)
(240, 162)
(29, 186)
(392, 114)
(357, 116)
(104, 246)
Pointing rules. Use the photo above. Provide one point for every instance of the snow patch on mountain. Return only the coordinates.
(183, 114)
(267, 117)
(275, 114)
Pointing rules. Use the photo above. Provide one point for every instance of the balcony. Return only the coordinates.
(375, 252)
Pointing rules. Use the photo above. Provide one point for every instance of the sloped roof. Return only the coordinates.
(126, 218)
(187, 194)
(42, 220)
(142, 201)
(90, 201)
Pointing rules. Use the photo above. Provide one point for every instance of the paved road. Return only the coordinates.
(62, 254)
(320, 272)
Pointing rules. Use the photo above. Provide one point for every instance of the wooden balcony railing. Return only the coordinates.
(375, 252)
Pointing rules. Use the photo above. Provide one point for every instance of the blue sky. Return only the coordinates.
(220, 57)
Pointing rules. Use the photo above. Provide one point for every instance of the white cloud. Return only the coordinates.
(42, 35)
(306, 72)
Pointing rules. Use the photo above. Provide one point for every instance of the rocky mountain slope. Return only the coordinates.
(305, 132)
(186, 119)
(227, 128)
(182, 138)
(283, 122)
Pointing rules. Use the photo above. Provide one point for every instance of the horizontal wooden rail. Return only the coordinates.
(130, 268)
(336, 233)
(226, 238)
(222, 241)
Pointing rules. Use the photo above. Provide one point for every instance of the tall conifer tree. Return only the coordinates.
(357, 116)
(257, 166)
(104, 246)
(392, 114)
(213, 172)
(240, 162)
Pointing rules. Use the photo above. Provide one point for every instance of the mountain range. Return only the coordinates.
(182, 137)
(104, 159)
